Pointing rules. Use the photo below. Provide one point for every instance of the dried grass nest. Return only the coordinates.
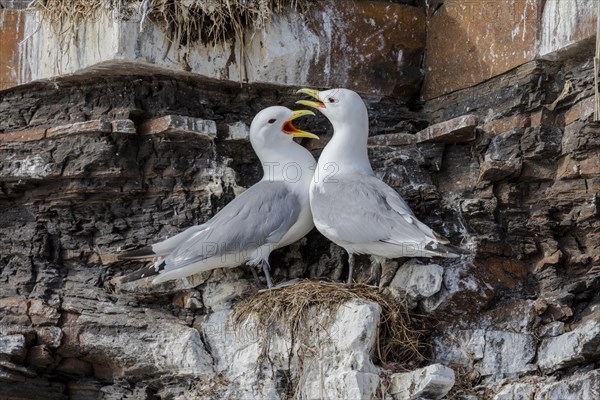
(183, 21)
(399, 338)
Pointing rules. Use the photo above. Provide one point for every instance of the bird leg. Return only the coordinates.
(350, 268)
(266, 267)
(286, 283)
(255, 275)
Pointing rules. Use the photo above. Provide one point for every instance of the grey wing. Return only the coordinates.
(363, 209)
(261, 215)
(398, 204)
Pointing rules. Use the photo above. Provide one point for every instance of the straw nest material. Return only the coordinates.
(215, 21)
(184, 22)
(291, 307)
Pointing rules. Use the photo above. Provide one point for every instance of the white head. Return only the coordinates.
(271, 136)
(342, 107)
(347, 112)
(272, 128)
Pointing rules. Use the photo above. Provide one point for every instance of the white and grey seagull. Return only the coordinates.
(350, 205)
(271, 214)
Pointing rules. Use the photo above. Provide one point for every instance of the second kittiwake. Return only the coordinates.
(350, 205)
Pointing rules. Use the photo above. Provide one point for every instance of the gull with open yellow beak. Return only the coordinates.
(271, 214)
(350, 205)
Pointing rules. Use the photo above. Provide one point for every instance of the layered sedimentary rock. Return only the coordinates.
(93, 167)
(507, 169)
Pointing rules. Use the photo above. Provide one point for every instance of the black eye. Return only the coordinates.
(331, 100)
(272, 120)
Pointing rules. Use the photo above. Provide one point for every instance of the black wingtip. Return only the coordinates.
(446, 250)
(457, 250)
(149, 270)
(144, 252)
(453, 251)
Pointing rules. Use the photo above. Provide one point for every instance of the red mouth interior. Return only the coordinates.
(288, 128)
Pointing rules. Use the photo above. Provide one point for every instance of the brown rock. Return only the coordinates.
(26, 135)
(14, 310)
(39, 356)
(497, 170)
(508, 273)
(14, 305)
(456, 130)
(95, 126)
(188, 299)
(590, 167)
(463, 174)
(75, 366)
(381, 48)
(587, 211)
(42, 314)
(12, 23)
(457, 295)
(567, 168)
(572, 139)
(579, 111)
(543, 117)
(70, 340)
(502, 158)
(549, 260)
(507, 193)
(469, 42)
(538, 171)
(567, 192)
(497, 126)
(540, 306)
(559, 311)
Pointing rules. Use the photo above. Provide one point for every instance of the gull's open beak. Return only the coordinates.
(290, 129)
(313, 93)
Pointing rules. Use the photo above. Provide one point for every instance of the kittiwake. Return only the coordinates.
(271, 214)
(350, 205)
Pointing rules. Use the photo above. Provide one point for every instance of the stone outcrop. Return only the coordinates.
(430, 383)
(470, 41)
(328, 360)
(81, 184)
(319, 48)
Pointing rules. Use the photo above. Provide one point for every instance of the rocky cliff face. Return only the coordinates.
(93, 166)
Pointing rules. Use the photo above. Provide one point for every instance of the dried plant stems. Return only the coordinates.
(184, 22)
(291, 307)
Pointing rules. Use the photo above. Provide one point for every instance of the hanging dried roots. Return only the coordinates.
(184, 22)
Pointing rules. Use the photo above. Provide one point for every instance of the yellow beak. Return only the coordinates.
(290, 129)
(313, 93)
